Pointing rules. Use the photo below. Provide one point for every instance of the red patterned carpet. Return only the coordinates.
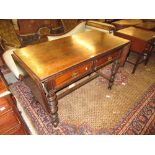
(139, 120)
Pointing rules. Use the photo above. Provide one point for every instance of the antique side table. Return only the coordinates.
(54, 65)
(146, 26)
(126, 23)
(142, 43)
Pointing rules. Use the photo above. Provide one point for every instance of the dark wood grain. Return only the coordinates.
(120, 24)
(146, 25)
(48, 58)
(56, 64)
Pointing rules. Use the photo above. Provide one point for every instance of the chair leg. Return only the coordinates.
(136, 64)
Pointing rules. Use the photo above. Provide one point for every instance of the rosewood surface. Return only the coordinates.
(56, 64)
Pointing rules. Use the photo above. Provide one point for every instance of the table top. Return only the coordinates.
(128, 22)
(146, 25)
(48, 58)
(138, 33)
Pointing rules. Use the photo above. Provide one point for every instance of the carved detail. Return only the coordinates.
(114, 69)
(52, 102)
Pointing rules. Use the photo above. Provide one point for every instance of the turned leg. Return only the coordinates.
(114, 70)
(52, 102)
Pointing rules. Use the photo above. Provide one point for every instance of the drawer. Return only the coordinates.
(101, 61)
(138, 45)
(8, 121)
(5, 104)
(72, 74)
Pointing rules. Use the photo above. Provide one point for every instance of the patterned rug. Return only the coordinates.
(138, 120)
(120, 78)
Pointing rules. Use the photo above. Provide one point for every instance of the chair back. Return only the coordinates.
(69, 24)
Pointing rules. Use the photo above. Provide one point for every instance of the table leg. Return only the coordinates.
(53, 102)
(126, 58)
(115, 67)
(149, 52)
(136, 64)
(147, 58)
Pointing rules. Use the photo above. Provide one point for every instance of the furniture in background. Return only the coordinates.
(8, 35)
(142, 42)
(2, 63)
(110, 20)
(1, 48)
(99, 26)
(59, 63)
(69, 24)
(11, 122)
(149, 20)
(81, 27)
(85, 26)
(146, 25)
(32, 30)
(120, 24)
(7, 59)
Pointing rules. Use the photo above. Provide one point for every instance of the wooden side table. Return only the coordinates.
(146, 26)
(120, 24)
(57, 64)
(142, 43)
(11, 123)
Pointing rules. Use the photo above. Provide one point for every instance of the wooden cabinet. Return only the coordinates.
(10, 119)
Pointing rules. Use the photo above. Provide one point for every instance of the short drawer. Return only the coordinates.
(101, 61)
(72, 74)
(5, 104)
